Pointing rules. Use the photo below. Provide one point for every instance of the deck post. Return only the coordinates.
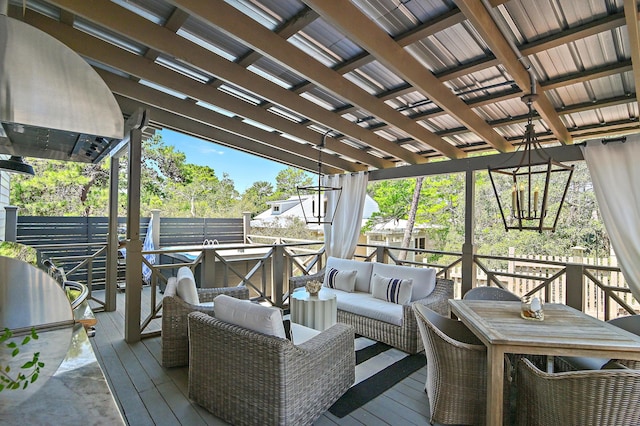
(468, 248)
(11, 223)
(246, 226)
(277, 275)
(575, 295)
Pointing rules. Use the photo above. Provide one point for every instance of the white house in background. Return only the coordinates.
(282, 210)
(391, 234)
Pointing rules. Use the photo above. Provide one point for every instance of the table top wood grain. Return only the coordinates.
(500, 323)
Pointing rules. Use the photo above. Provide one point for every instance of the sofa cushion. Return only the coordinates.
(363, 271)
(263, 319)
(186, 286)
(366, 305)
(394, 290)
(301, 334)
(340, 280)
(424, 279)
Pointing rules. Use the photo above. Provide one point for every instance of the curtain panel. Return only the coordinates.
(341, 238)
(616, 182)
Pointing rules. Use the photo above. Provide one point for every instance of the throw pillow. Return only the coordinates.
(186, 286)
(263, 319)
(392, 290)
(340, 280)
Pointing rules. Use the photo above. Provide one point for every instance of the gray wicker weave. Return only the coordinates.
(456, 370)
(588, 397)
(405, 337)
(249, 378)
(175, 342)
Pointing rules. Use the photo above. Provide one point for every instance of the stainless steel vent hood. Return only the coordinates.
(52, 103)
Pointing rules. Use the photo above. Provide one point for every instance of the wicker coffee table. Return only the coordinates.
(318, 312)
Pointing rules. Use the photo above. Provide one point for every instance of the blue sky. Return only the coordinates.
(244, 169)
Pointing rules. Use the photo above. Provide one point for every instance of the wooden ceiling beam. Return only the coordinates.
(122, 21)
(483, 22)
(554, 40)
(239, 26)
(631, 18)
(142, 68)
(199, 129)
(359, 28)
(131, 89)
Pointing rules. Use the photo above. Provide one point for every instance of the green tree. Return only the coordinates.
(287, 180)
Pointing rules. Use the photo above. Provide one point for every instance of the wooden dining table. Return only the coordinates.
(564, 331)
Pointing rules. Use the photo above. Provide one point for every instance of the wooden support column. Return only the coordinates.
(112, 237)
(277, 275)
(575, 295)
(468, 248)
(133, 274)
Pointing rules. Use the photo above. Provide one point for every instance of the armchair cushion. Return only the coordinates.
(263, 319)
(394, 290)
(340, 280)
(186, 288)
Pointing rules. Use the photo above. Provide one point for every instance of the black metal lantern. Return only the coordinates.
(524, 199)
(318, 213)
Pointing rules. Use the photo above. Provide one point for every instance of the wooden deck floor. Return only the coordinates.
(148, 394)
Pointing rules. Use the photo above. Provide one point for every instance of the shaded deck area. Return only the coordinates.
(148, 394)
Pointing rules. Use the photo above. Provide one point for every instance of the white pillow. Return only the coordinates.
(424, 279)
(363, 271)
(263, 319)
(340, 280)
(186, 286)
(393, 290)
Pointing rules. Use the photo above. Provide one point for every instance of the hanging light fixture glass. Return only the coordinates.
(528, 194)
(313, 199)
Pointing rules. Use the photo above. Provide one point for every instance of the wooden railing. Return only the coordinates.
(266, 265)
(88, 266)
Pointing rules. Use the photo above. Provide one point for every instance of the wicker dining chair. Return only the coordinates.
(456, 370)
(175, 340)
(490, 293)
(608, 397)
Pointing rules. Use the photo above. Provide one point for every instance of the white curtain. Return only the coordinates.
(616, 181)
(341, 238)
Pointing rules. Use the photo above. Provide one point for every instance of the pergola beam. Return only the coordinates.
(239, 26)
(483, 22)
(137, 28)
(355, 25)
(631, 17)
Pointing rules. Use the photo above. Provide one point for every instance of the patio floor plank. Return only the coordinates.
(148, 394)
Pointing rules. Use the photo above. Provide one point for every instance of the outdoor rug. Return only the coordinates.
(378, 368)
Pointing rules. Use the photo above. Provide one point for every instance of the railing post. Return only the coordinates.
(111, 279)
(468, 248)
(277, 275)
(208, 268)
(11, 224)
(246, 226)
(575, 294)
(381, 254)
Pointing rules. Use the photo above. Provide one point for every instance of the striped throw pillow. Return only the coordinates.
(393, 290)
(340, 280)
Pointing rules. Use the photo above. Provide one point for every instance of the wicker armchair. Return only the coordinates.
(249, 378)
(490, 293)
(588, 397)
(405, 337)
(456, 370)
(175, 342)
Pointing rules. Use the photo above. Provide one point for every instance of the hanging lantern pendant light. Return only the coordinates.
(319, 213)
(531, 181)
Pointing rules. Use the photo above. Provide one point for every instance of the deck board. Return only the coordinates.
(148, 394)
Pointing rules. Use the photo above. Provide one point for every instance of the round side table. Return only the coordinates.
(318, 312)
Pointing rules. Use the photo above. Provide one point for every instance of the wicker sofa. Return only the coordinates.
(402, 334)
(247, 377)
(175, 342)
